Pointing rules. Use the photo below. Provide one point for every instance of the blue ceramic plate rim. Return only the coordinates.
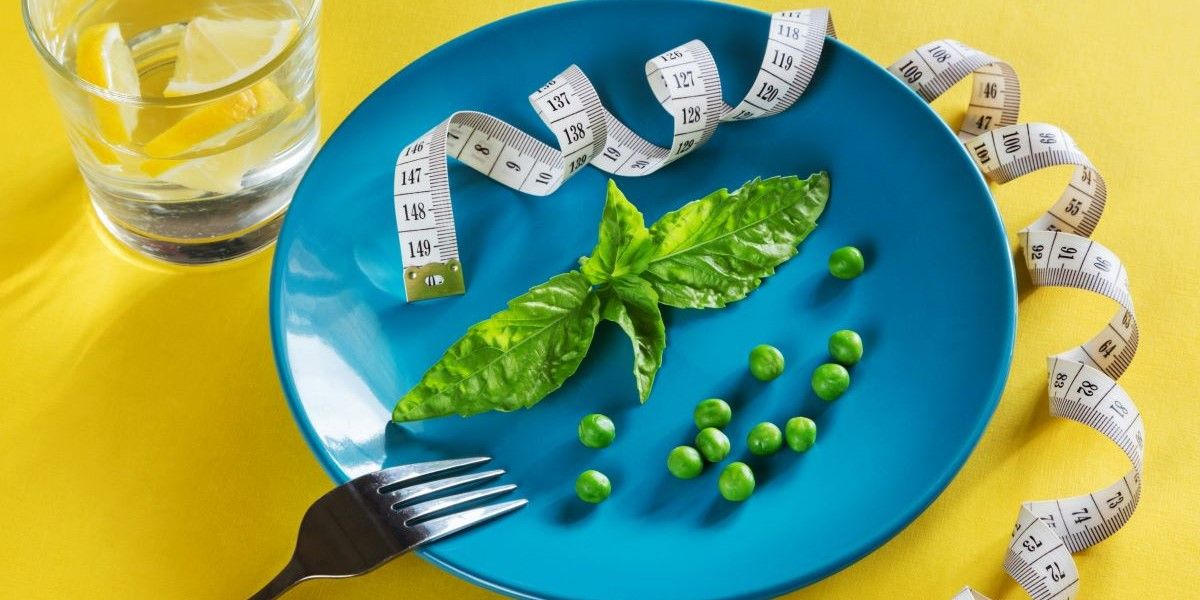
(283, 365)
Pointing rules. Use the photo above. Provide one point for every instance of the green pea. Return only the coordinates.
(592, 486)
(713, 412)
(801, 433)
(736, 482)
(712, 444)
(830, 381)
(766, 362)
(684, 462)
(845, 346)
(596, 431)
(764, 439)
(846, 262)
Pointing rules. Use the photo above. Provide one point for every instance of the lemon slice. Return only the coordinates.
(211, 127)
(102, 152)
(103, 58)
(221, 173)
(215, 53)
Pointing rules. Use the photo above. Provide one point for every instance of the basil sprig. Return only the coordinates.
(708, 253)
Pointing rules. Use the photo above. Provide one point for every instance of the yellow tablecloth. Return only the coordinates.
(146, 451)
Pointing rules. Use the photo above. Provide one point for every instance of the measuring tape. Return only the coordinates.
(1057, 252)
(1056, 247)
(684, 80)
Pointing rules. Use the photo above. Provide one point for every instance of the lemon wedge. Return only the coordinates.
(102, 152)
(221, 173)
(215, 53)
(103, 58)
(217, 122)
(211, 127)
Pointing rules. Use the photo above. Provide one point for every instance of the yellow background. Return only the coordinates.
(146, 451)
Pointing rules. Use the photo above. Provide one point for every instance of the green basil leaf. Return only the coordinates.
(717, 249)
(631, 303)
(623, 245)
(513, 359)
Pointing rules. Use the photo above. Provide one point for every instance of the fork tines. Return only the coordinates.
(406, 484)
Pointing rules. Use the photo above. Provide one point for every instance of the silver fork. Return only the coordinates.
(362, 524)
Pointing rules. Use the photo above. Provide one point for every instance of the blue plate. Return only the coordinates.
(935, 307)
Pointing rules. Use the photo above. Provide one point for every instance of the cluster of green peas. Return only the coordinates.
(736, 482)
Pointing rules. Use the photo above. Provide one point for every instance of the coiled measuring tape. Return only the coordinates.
(1057, 252)
(1056, 247)
(684, 80)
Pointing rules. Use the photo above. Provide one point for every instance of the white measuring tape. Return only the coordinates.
(686, 83)
(1057, 252)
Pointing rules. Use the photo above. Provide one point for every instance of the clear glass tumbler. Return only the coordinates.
(192, 120)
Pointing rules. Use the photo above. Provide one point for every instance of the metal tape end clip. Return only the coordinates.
(434, 280)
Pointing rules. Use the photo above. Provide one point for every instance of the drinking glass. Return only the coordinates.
(192, 121)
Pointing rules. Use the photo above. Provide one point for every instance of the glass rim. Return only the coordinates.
(307, 23)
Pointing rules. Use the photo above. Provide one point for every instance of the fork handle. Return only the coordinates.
(292, 574)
